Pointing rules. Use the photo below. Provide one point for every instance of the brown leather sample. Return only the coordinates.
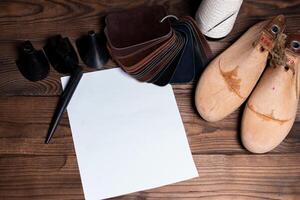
(130, 28)
(229, 79)
(271, 109)
(151, 49)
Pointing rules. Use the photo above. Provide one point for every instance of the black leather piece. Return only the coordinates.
(92, 50)
(185, 70)
(201, 59)
(164, 77)
(32, 63)
(188, 65)
(61, 54)
(198, 61)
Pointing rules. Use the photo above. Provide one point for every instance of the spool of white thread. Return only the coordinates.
(216, 18)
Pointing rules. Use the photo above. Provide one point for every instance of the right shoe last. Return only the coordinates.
(271, 109)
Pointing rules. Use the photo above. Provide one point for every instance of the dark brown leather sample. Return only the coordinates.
(136, 26)
(154, 50)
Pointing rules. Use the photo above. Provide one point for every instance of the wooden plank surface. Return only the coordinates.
(31, 170)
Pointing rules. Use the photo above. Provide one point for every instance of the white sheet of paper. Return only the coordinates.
(128, 135)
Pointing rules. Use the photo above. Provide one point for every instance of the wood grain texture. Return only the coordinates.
(221, 177)
(31, 170)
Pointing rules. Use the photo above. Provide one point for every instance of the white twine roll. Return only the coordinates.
(216, 18)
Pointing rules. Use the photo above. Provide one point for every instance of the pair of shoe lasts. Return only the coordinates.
(229, 79)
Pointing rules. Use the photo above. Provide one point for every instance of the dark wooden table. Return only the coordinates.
(31, 170)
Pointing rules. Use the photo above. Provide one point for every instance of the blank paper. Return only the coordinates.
(128, 135)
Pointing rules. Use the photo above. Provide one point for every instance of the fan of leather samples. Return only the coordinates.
(229, 79)
(152, 48)
(271, 109)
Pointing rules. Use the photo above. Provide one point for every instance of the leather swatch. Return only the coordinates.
(156, 51)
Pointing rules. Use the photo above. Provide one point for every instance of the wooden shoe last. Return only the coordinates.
(271, 109)
(230, 77)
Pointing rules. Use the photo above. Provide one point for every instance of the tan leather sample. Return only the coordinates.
(271, 109)
(230, 77)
